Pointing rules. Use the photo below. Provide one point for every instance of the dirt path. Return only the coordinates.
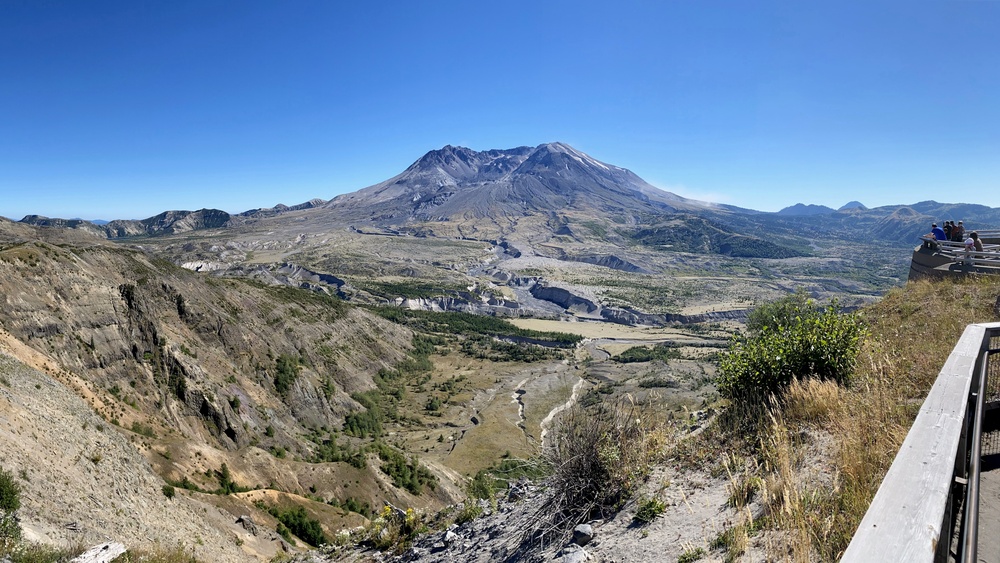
(547, 421)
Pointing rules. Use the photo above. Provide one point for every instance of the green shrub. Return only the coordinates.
(354, 505)
(169, 491)
(823, 345)
(226, 483)
(649, 509)
(286, 372)
(143, 429)
(471, 509)
(10, 502)
(284, 532)
(691, 555)
(393, 530)
(782, 312)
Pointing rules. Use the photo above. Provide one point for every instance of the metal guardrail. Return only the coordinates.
(970, 516)
(916, 510)
(989, 256)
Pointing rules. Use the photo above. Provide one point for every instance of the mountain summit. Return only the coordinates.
(457, 182)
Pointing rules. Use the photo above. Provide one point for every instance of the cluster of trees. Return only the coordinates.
(467, 324)
(645, 354)
(286, 371)
(298, 522)
(405, 473)
(695, 234)
(327, 450)
(488, 348)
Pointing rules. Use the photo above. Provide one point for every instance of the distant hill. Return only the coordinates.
(802, 209)
(853, 205)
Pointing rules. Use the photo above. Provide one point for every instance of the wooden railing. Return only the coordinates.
(913, 515)
(989, 256)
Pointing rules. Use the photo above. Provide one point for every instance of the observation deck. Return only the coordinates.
(941, 258)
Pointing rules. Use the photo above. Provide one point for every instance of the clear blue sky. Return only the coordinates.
(126, 109)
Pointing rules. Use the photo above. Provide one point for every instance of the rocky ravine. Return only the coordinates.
(84, 482)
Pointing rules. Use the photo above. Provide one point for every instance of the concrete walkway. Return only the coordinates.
(989, 510)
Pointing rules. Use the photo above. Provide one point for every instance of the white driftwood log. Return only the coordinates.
(102, 553)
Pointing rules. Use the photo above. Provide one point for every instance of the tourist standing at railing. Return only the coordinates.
(958, 233)
(947, 230)
(937, 232)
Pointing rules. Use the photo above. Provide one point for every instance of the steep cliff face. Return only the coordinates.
(198, 371)
(185, 347)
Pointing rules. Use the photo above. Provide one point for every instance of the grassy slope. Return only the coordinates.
(912, 331)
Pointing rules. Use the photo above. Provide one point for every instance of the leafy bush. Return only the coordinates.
(781, 313)
(394, 529)
(471, 509)
(823, 345)
(10, 502)
(169, 491)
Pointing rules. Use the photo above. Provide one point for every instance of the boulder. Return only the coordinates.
(582, 534)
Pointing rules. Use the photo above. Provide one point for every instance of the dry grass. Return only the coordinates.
(600, 457)
(913, 329)
(811, 400)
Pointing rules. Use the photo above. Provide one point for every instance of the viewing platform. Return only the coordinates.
(941, 258)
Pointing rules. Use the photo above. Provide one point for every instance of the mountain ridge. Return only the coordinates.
(453, 190)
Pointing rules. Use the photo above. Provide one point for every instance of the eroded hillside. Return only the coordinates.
(197, 373)
(262, 400)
